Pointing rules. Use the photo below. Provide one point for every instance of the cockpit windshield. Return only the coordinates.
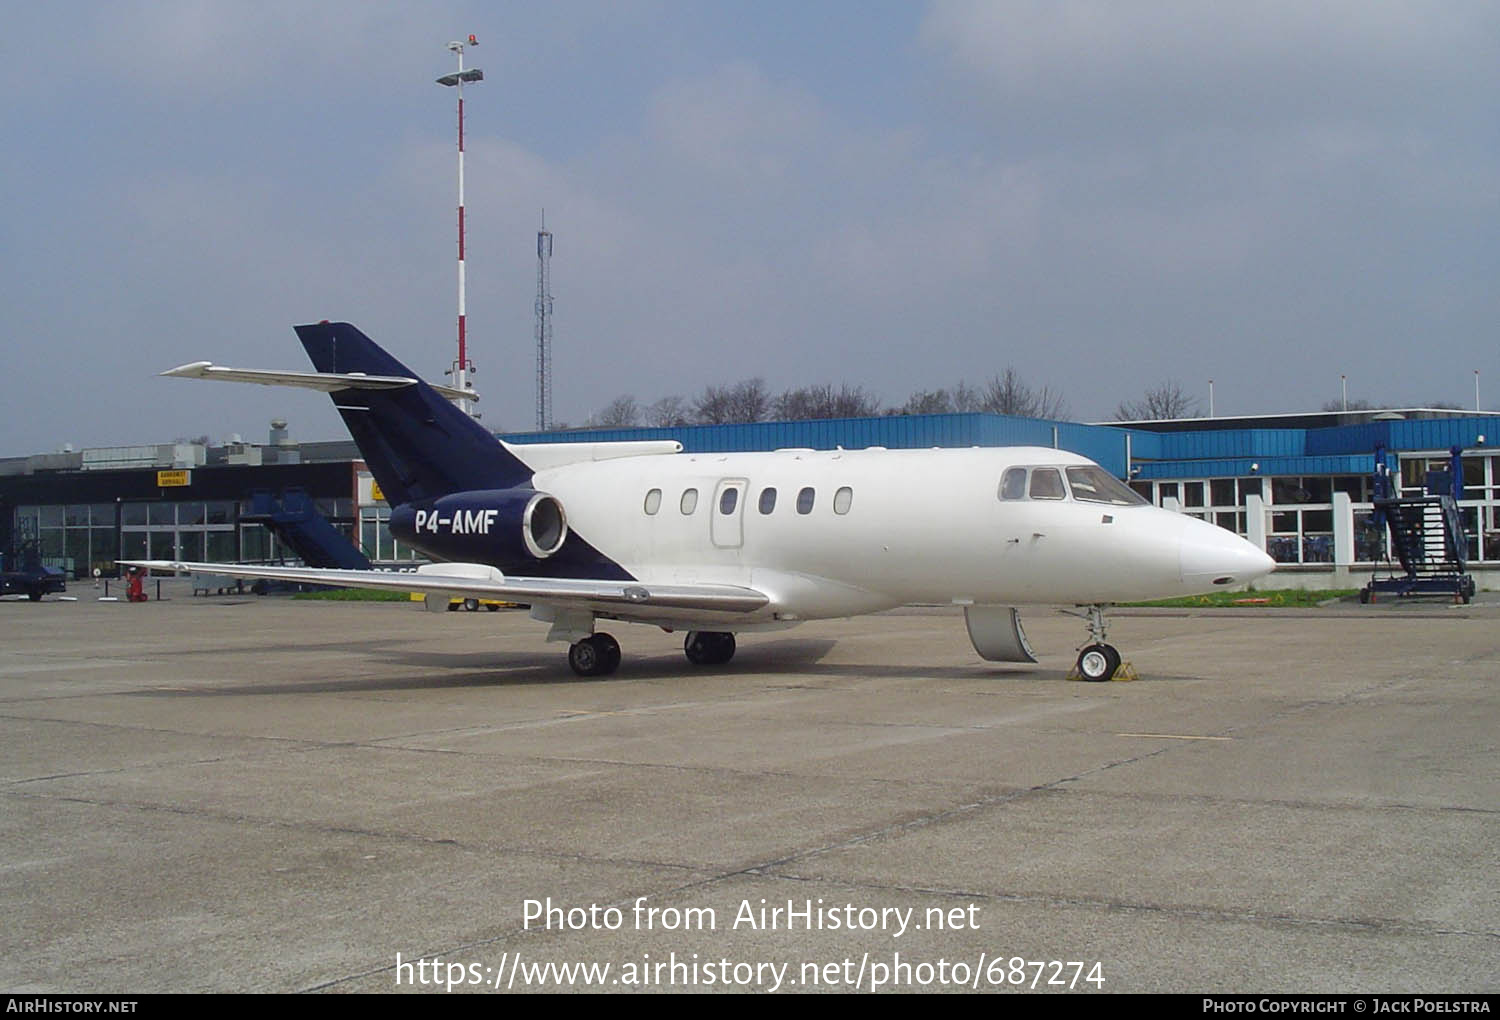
(1087, 483)
(1046, 483)
(1095, 485)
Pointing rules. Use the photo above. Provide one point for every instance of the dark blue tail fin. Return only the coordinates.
(418, 445)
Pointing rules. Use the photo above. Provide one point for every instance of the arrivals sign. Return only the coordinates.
(168, 479)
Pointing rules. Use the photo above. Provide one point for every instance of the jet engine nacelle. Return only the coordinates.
(502, 526)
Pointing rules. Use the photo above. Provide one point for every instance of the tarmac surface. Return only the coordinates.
(242, 794)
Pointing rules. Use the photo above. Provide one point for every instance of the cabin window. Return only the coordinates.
(1013, 484)
(767, 500)
(842, 499)
(728, 500)
(1046, 483)
(689, 501)
(805, 501)
(653, 501)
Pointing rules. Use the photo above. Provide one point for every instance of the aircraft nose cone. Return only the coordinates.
(1211, 557)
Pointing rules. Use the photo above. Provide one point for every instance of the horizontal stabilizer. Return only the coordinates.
(541, 456)
(327, 382)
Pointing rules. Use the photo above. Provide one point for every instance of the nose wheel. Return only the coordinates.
(1097, 663)
(1098, 660)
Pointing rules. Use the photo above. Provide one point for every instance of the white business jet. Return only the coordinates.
(727, 543)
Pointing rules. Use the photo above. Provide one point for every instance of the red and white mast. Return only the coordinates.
(462, 367)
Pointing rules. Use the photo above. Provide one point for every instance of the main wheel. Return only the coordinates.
(1098, 663)
(709, 647)
(609, 653)
(583, 657)
(598, 655)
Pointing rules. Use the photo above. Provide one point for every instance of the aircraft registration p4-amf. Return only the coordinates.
(717, 544)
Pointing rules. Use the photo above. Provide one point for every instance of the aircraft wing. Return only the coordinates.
(476, 580)
(328, 382)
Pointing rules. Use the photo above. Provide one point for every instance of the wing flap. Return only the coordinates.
(472, 580)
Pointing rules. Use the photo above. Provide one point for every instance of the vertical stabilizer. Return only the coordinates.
(416, 443)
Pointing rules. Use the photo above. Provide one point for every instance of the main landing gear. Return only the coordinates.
(1097, 661)
(596, 655)
(708, 647)
(599, 654)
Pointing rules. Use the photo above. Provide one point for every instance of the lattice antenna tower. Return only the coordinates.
(543, 327)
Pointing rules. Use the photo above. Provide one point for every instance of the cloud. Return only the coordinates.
(735, 124)
(192, 51)
(1086, 191)
(1275, 59)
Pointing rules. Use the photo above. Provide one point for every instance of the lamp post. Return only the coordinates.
(462, 367)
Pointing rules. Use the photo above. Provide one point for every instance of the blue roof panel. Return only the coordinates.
(1214, 453)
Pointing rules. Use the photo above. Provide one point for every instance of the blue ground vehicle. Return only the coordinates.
(32, 579)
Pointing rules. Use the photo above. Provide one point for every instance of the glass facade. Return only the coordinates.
(76, 538)
(185, 530)
(1300, 508)
(79, 538)
(376, 540)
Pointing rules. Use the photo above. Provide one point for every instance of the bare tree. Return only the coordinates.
(926, 402)
(668, 412)
(1008, 393)
(744, 402)
(620, 413)
(966, 398)
(823, 401)
(1169, 400)
(1338, 404)
(1376, 405)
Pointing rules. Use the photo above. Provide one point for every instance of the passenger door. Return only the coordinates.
(726, 515)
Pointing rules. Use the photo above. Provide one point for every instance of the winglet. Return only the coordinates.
(192, 370)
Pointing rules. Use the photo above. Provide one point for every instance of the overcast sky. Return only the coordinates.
(895, 195)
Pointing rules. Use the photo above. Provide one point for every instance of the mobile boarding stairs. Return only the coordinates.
(1427, 536)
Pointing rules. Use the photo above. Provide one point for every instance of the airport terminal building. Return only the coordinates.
(1297, 486)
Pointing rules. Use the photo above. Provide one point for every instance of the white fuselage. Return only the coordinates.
(887, 528)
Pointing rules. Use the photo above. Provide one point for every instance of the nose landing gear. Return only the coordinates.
(1097, 661)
